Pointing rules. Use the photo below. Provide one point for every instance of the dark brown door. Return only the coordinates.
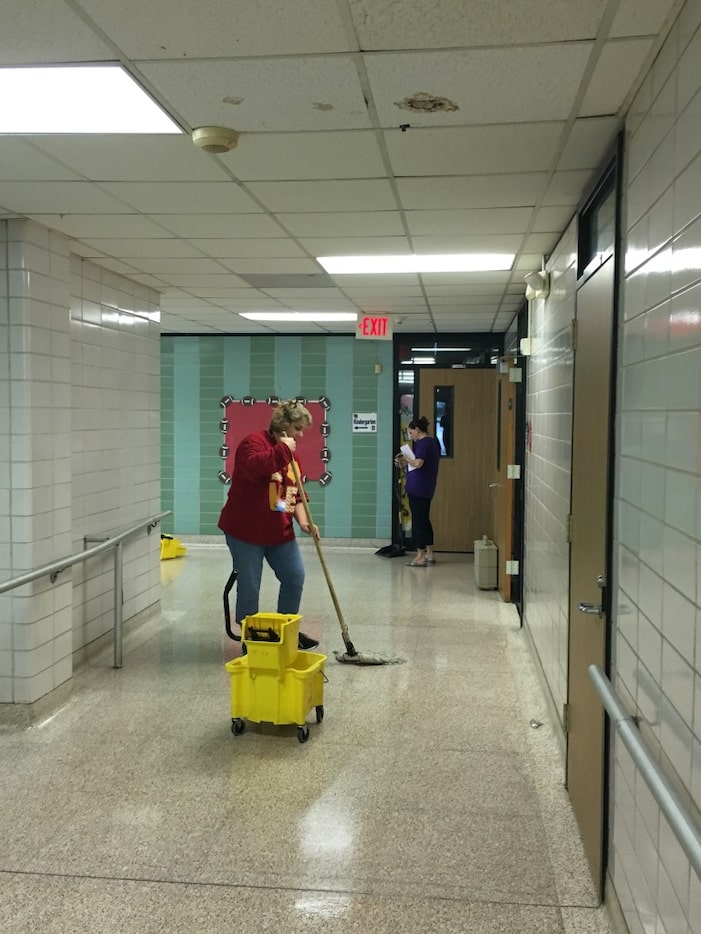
(589, 557)
(502, 485)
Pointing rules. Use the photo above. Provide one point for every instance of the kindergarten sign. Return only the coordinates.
(365, 422)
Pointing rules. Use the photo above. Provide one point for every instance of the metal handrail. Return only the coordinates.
(111, 542)
(662, 791)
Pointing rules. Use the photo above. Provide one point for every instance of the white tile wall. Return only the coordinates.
(656, 624)
(115, 340)
(657, 522)
(79, 450)
(36, 406)
(549, 412)
(5, 460)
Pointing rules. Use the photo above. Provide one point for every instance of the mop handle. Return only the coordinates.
(317, 544)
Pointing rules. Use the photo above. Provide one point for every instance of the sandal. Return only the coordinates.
(416, 564)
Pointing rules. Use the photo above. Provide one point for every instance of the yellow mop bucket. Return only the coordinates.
(171, 548)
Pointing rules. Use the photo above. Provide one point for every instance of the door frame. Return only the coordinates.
(585, 271)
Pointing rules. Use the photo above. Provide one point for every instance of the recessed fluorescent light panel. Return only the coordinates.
(78, 99)
(413, 262)
(317, 317)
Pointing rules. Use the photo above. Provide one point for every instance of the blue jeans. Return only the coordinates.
(286, 562)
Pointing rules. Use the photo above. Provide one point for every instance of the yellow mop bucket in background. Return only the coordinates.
(171, 547)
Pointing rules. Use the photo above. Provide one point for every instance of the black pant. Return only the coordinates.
(421, 528)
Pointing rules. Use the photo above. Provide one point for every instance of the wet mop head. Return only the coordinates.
(361, 658)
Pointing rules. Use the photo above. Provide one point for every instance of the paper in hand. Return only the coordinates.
(409, 454)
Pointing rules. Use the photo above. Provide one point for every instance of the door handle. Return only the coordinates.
(593, 609)
(492, 485)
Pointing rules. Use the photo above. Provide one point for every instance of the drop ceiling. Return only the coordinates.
(328, 162)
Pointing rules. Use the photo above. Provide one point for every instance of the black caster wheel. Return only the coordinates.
(303, 733)
(319, 713)
(237, 726)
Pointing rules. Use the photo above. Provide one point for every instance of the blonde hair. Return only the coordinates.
(290, 412)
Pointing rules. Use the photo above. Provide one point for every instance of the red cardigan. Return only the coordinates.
(262, 481)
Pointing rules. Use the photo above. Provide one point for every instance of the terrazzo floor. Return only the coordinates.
(424, 802)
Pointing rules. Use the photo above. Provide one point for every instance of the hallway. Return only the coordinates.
(425, 802)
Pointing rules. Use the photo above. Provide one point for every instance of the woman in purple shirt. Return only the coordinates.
(421, 477)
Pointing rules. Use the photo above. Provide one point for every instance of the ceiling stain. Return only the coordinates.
(320, 105)
(232, 100)
(421, 102)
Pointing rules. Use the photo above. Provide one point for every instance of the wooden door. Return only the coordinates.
(462, 507)
(589, 558)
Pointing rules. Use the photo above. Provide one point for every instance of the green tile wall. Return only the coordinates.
(197, 371)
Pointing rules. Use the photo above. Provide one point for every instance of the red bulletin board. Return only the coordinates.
(243, 416)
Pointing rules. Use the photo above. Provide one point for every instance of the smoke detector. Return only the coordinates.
(215, 138)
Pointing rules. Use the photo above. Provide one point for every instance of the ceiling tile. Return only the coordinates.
(542, 243)
(163, 265)
(399, 280)
(457, 222)
(253, 304)
(620, 63)
(344, 224)
(58, 198)
(192, 281)
(160, 29)
(226, 247)
(133, 158)
(526, 262)
(466, 289)
(486, 243)
(567, 188)
(195, 197)
(356, 246)
(387, 293)
(195, 225)
(103, 225)
(518, 84)
(552, 220)
(316, 93)
(353, 194)
(641, 17)
(282, 156)
(134, 247)
(277, 265)
(22, 161)
(590, 140)
(216, 292)
(478, 191)
(329, 304)
(473, 150)
(44, 31)
(408, 24)
(314, 294)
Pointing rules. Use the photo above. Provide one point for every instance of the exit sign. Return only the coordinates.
(374, 328)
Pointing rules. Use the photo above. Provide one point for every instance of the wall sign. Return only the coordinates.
(365, 422)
